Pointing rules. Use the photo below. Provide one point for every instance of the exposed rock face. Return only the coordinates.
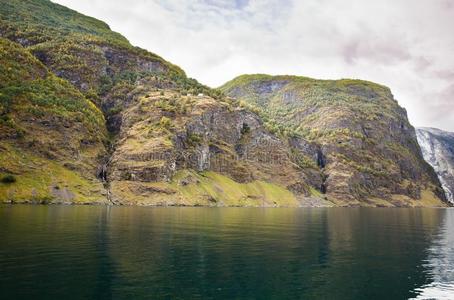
(438, 150)
(367, 149)
(163, 134)
(87, 118)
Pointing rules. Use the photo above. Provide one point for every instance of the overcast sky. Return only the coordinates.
(407, 45)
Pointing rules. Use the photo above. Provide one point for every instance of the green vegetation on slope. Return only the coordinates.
(33, 22)
(27, 87)
(81, 49)
(367, 141)
(290, 105)
(50, 112)
(78, 48)
(205, 189)
(65, 69)
(40, 180)
(51, 135)
(38, 21)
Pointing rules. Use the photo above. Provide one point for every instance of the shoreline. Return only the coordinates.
(451, 206)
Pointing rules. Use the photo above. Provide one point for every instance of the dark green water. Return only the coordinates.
(63, 252)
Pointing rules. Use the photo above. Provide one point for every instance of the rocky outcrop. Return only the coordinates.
(164, 133)
(366, 148)
(87, 118)
(438, 150)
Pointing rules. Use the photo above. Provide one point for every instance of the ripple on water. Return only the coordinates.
(440, 263)
(233, 253)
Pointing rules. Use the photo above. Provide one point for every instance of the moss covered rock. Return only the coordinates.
(367, 147)
(85, 117)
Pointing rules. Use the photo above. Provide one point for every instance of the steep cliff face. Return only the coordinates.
(87, 118)
(438, 150)
(166, 146)
(367, 147)
(176, 148)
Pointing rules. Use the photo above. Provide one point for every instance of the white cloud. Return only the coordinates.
(407, 45)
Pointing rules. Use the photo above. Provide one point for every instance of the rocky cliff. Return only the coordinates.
(438, 150)
(366, 148)
(161, 139)
(87, 118)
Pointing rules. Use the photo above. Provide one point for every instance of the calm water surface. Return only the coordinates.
(64, 252)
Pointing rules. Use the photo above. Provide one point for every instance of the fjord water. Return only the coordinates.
(79, 252)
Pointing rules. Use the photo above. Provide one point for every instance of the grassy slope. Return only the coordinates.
(27, 84)
(351, 116)
(70, 42)
(149, 134)
(281, 116)
(40, 180)
(39, 21)
(44, 121)
(74, 47)
(68, 38)
(207, 189)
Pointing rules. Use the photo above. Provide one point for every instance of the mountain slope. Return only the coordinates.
(367, 147)
(438, 150)
(88, 118)
(51, 135)
(168, 146)
(178, 149)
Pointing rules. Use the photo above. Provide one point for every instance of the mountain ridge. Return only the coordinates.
(351, 120)
(165, 139)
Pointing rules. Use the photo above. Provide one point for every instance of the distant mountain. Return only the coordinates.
(85, 117)
(438, 150)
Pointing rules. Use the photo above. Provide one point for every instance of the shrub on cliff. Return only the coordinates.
(165, 122)
(8, 179)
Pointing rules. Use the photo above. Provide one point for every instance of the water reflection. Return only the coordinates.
(440, 263)
(230, 253)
